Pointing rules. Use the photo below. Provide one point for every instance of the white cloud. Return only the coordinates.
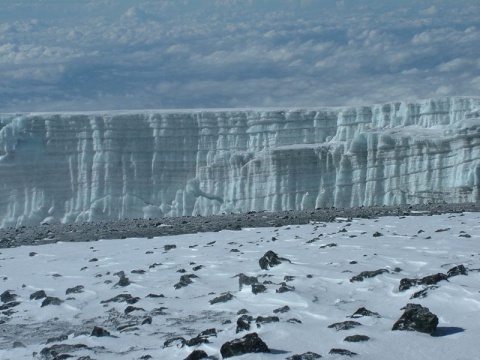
(146, 53)
(432, 10)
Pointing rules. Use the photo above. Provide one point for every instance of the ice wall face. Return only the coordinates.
(83, 167)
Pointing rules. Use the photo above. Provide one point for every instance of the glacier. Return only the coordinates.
(94, 166)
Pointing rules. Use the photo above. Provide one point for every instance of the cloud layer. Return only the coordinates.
(126, 54)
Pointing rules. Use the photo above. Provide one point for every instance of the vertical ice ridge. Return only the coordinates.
(69, 167)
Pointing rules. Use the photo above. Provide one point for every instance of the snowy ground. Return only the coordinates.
(322, 293)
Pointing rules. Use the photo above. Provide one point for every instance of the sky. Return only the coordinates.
(80, 55)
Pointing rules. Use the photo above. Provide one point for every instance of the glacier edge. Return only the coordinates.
(74, 167)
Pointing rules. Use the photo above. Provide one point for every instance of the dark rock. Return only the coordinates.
(9, 305)
(417, 318)
(198, 267)
(179, 341)
(328, 246)
(341, 352)
(18, 344)
(345, 325)
(423, 293)
(406, 284)
(124, 281)
(356, 338)
(270, 259)
(197, 355)
(288, 278)
(131, 308)
(33, 253)
(283, 309)
(294, 321)
(185, 280)
(75, 290)
(99, 332)
(433, 279)
(129, 299)
(250, 343)
(457, 270)
(367, 274)
(258, 288)
(50, 300)
(266, 320)
(243, 323)
(198, 340)
(57, 339)
(305, 356)
(364, 312)
(37, 295)
(209, 333)
(53, 352)
(7, 296)
(138, 272)
(158, 311)
(285, 288)
(377, 234)
(147, 321)
(222, 298)
(242, 312)
(169, 247)
(154, 296)
(246, 280)
(93, 260)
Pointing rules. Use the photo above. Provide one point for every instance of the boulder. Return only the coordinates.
(270, 259)
(417, 318)
(197, 355)
(457, 270)
(250, 343)
(356, 338)
(364, 312)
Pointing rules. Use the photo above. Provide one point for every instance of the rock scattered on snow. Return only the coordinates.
(99, 332)
(406, 283)
(51, 300)
(270, 259)
(250, 343)
(75, 290)
(356, 338)
(7, 296)
(185, 280)
(305, 356)
(37, 295)
(367, 274)
(457, 270)
(344, 325)
(344, 352)
(360, 312)
(197, 355)
(222, 298)
(417, 318)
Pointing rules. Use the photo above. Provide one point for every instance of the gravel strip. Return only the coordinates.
(141, 228)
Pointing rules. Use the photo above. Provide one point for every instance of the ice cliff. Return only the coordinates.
(69, 167)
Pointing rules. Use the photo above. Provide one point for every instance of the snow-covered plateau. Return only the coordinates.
(75, 167)
(337, 288)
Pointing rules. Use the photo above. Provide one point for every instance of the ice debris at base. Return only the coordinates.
(74, 167)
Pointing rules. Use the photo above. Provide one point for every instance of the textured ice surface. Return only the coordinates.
(70, 167)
